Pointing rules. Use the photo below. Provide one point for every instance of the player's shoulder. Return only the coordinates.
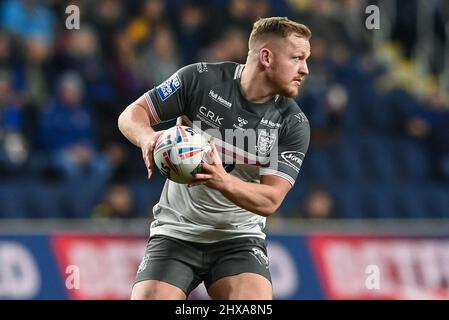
(290, 110)
(218, 70)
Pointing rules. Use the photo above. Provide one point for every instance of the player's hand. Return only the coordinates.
(213, 175)
(147, 145)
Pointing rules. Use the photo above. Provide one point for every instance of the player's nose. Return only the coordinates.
(303, 69)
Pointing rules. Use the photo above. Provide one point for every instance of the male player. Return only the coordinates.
(212, 230)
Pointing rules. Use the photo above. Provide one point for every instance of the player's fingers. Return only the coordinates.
(147, 156)
(197, 183)
(203, 176)
(214, 153)
(206, 167)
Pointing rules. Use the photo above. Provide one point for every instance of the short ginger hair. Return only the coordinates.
(278, 26)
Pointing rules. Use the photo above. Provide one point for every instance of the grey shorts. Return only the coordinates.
(186, 264)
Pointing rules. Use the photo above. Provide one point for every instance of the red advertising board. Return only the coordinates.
(356, 267)
(98, 267)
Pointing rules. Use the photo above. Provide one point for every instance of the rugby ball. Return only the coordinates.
(179, 153)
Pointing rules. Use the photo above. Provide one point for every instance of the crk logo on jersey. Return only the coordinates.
(209, 116)
(265, 142)
(168, 87)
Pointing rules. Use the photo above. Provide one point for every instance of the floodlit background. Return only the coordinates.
(368, 216)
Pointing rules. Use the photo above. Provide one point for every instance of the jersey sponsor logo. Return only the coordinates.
(270, 124)
(210, 117)
(242, 122)
(201, 67)
(168, 87)
(265, 142)
(301, 117)
(292, 159)
(219, 99)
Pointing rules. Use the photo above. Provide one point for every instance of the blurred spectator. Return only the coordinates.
(117, 203)
(108, 18)
(83, 54)
(67, 132)
(125, 69)
(318, 204)
(335, 105)
(431, 124)
(152, 14)
(28, 18)
(13, 144)
(190, 31)
(232, 46)
(159, 61)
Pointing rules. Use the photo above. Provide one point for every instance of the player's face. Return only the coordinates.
(289, 65)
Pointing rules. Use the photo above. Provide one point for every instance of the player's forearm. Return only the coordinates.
(134, 124)
(258, 198)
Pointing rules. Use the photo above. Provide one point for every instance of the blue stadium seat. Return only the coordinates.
(347, 201)
(146, 194)
(413, 159)
(318, 165)
(378, 202)
(347, 160)
(12, 200)
(438, 201)
(45, 200)
(412, 203)
(81, 196)
(379, 163)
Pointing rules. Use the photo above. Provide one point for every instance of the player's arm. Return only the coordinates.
(263, 199)
(135, 124)
(167, 101)
(266, 197)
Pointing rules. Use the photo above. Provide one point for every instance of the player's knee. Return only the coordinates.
(156, 290)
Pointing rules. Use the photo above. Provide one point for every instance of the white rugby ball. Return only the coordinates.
(179, 153)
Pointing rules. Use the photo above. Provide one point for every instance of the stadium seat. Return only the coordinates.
(412, 203)
(438, 201)
(12, 200)
(377, 158)
(347, 160)
(45, 200)
(413, 160)
(146, 194)
(347, 201)
(319, 165)
(378, 202)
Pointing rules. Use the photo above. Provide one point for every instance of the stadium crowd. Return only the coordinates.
(380, 132)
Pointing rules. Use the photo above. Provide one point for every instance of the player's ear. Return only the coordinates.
(265, 57)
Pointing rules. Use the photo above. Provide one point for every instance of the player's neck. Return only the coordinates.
(254, 86)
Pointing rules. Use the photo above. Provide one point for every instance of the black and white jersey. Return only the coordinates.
(254, 139)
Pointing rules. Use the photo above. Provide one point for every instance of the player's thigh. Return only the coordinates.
(169, 270)
(244, 286)
(240, 270)
(156, 290)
